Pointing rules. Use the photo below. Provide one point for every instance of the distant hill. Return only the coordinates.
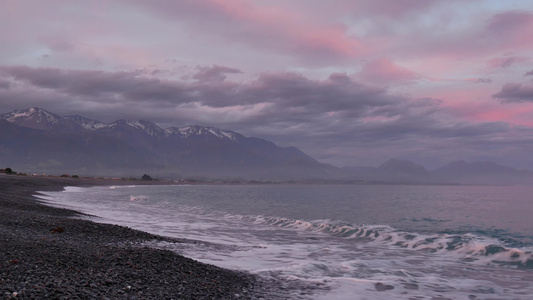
(393, 170)
(481, 172)
(458, 172)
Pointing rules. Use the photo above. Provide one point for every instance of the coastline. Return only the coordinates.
(46, 252)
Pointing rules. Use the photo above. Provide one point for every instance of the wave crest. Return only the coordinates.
(469, 247)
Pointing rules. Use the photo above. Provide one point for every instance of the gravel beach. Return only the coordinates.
(47, 253)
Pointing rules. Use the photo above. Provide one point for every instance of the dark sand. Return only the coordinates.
(47, 253)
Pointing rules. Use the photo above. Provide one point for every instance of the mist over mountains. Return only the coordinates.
(456, 172)
(37, 141)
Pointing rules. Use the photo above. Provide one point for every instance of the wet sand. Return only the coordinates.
(48, 253)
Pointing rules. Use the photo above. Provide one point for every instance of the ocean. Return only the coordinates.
(339, 241)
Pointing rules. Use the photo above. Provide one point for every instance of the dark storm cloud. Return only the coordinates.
(284, 90)
(214, 73)
(286, 101)
(322, 117)
(290, 90)
(92, 83)
(515, 92)
(335, 104)
(4, 84)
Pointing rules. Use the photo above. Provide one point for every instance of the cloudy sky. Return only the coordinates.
(349, 82)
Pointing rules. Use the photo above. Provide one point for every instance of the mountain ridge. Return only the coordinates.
(36, 139)
(192, 149)
(33, 118)
(455, 172)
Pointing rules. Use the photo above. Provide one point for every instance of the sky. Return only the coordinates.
(349, 82)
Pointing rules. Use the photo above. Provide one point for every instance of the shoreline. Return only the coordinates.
(46, 252)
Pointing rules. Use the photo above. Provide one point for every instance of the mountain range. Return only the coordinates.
(37, 141)
(456, 172)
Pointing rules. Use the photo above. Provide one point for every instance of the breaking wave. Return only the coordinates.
(468, 247)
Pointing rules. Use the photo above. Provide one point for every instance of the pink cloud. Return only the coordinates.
(480, 80)
(455, 39)
(506, 61)
(511, 29)
(510, 21)
(483, 112)
(269, 26)
(471, 103)
(392, 8)
(384, 71)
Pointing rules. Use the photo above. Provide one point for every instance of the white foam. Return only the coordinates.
(113, 187)
(74, 189)
(332, 259)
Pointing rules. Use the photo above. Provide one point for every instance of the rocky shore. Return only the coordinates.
(47, 253)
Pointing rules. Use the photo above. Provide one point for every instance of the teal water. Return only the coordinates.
(453, 242)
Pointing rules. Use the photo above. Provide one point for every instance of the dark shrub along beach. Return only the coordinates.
(48, 253)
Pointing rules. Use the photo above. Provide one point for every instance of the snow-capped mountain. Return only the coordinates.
(41, 119)
(191, 130)
(86, 123)
(77, 143)
(145, 127)
(35, 114)
(35, 140)
(38, 118)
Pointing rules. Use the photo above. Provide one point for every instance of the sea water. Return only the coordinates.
(340, 241)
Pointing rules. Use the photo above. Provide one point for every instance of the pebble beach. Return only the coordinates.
(51, 253)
